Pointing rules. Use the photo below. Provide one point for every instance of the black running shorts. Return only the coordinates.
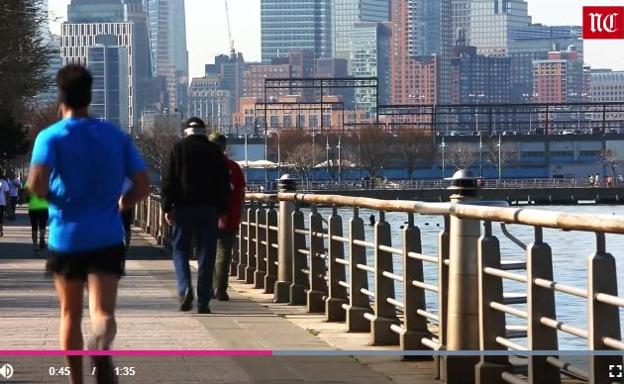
(78, 265)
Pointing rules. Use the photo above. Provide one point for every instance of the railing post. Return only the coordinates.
(540, 303)
(318, 287)
(300, 281)
(604, 319)
(337, 294)
(491, 322)
(385, 313)
(147, 217)
(271, 251)
(463, 302)
(235, 253)
(261, 250)
(359, 303)
(443, 269)
(242, 241)
(252, 236)
(285, 256)
(414, 326)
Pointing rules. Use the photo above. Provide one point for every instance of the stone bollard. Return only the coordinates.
(462, 326)
(286, 184)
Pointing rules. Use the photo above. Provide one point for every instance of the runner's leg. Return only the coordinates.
(102, 301)
(70, 296)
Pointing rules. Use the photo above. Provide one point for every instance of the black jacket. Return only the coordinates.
(195, 174)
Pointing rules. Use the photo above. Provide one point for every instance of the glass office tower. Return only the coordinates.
(347, 13)
(288, 25)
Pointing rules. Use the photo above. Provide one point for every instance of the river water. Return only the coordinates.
(570, 253)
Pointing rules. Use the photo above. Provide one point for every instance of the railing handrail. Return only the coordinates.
(523, 216)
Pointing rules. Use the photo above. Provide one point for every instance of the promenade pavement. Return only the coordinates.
(148, 319)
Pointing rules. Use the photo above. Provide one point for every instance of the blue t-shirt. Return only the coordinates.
(89, 160)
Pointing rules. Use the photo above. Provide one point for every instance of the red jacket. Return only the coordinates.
(231, 221)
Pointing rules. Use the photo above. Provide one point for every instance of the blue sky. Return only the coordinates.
(207, 28)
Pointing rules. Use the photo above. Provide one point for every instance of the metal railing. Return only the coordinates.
(322, 263)
(383, 184)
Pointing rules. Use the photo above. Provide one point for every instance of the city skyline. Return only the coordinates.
(209, 16)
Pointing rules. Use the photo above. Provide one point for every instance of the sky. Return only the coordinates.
(207, 29)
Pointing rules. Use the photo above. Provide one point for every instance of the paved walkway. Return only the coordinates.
(148, 319)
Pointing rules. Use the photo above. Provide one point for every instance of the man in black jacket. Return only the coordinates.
(195, 192)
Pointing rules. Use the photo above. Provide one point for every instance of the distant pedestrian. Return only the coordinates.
(597, 180)
(38, 215)
(229, 223)
(609, 181)
(591, 181)
(4, 197)
(14, 186)
(79, 165)
(195, 191)
(127, 215)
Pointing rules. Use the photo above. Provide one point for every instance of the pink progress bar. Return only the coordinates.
(141, 353)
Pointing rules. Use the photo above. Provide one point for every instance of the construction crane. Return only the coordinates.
(227, 16)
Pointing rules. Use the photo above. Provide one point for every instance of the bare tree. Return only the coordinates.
(302, 159)
(611, 158)
(501, 156)
(414, 147)
(461, 155)
(372, 149)
(155, 149)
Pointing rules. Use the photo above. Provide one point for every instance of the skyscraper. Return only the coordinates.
(369, 45)
(167, 28)
(494, 22)
(295, 24)
(347, 13)
(420, 52)
(108, 63)
(461, 18)
(125, 19)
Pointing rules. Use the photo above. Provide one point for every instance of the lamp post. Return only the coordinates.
(443, 146)
(327, 149)
(339, 147)
(500, 150)
(279, 156)
(480, 156)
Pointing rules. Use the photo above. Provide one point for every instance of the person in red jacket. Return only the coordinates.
(229, 223)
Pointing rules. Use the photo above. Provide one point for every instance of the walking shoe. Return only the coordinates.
(222, 296)
(186, 301)
(103, 366)
(204, 309)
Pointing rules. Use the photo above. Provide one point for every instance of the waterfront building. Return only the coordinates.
(607, 86)
(295, 24)
(479, 79)
(168, 124)
(76, 39)
(492, 24)
(127, 21)
(333, 68)
(347, 13)
(533, 43)
(460, 18)
(108, 63)
(231, 69)
(369, 46)
(255, 75)
(210, 102)
(420, 52)
(290, 113)
(167, 30)
(558, 79)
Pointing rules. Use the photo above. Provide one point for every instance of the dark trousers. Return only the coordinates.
(199, 222)
(38, 220)
(225, 244)
(126, 218)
